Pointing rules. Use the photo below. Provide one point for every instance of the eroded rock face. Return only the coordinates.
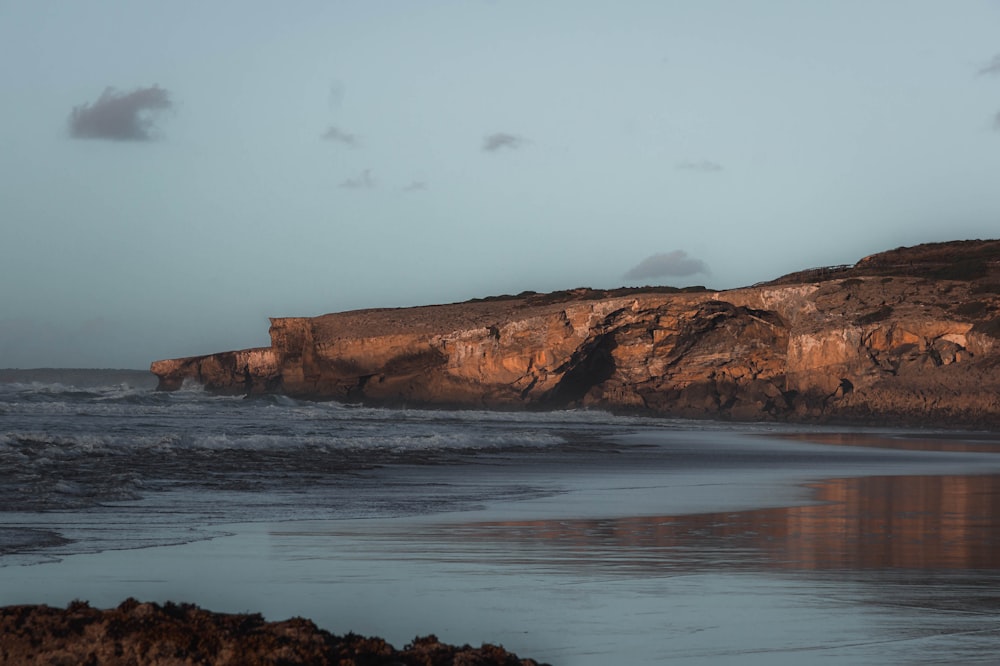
(910, 335)
(147, 634)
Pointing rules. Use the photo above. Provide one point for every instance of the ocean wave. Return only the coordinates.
(78, 458)
(39, 443)
(19, 539)
(42, 391)
(67, 448)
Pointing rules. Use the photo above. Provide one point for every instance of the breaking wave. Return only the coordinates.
(179, 463)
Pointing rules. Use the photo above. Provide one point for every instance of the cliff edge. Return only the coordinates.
(906, 336)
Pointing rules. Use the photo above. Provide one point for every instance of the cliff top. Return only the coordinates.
(975, 261)
(476, 312)
(968, 260)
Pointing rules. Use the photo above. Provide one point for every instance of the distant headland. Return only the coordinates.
(909, 336)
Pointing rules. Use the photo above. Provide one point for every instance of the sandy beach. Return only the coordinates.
(718, 547)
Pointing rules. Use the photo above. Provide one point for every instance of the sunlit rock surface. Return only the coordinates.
(906, 336)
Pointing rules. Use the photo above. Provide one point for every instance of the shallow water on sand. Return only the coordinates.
(885, 570)
(817, 583)
(573, 538)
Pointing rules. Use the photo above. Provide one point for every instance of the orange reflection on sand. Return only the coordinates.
(957, 442)
(913, 522)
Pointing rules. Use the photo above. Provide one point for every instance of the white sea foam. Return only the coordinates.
(181, 456)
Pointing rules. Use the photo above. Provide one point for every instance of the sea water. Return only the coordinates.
(162, 467)
(577, 537)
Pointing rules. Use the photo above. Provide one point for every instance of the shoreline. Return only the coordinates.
(399, 578)
(716, 470)
(144, 379)
(734, 527)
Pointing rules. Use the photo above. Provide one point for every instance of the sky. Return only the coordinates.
(174, 173)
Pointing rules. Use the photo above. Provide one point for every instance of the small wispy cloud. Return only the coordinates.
(362, 181)
(415, 186)
(120, 116)
(992, 67)
(669, 264)
(338, 135)
(499, 140)
(704, 166)
(996, 121)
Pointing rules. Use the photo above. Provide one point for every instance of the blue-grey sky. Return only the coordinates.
(171, 174)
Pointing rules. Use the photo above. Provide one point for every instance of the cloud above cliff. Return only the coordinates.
(704, 166)
(363, 181)
(669, 264)
(338, 135)
(120, 116)
(992, 67)
(500, 140)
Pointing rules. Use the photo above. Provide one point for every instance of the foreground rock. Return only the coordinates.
(146, 634)
(907, 336)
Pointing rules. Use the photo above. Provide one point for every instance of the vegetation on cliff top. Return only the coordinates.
(534, 298)
(968, 261)
(955, 260)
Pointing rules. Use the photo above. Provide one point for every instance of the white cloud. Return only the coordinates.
(705, 166)
(669, 264)
(363, 180)
(339, 136)
(119, 116)
(500, 140)
(992, 67)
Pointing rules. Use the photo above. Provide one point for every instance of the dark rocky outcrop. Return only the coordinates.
(148, 634)
(907, 336)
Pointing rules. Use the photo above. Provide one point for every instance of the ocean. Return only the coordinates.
(573, 537)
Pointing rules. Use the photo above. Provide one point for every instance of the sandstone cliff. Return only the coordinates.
(906, 336)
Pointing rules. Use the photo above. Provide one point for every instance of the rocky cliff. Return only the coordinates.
(907, 336)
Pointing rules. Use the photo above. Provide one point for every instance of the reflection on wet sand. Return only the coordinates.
(882, 522)
(952, 442)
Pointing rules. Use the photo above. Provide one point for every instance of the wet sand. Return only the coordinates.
(776, 551)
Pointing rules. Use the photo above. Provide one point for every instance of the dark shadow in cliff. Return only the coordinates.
(724, 362)
(407, 378)
(591, 365)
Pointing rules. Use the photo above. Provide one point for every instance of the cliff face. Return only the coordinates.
(911, 335)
